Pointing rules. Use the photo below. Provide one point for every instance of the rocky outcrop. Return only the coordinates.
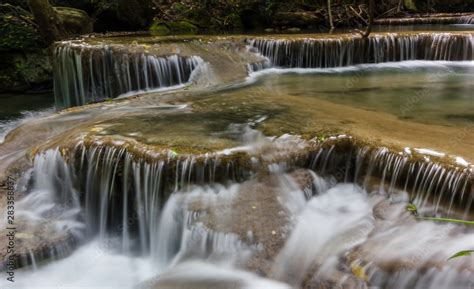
(25, 71)
(24, 64)
(75, 21)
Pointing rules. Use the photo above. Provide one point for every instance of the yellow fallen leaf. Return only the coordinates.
(96, 129)
(359, 272)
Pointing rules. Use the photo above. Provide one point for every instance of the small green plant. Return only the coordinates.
(414, 210)
(462, 254)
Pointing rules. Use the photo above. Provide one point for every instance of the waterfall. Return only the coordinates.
(49, 212)
(181, 209)
(467, 19)
(433, 186)
(124, 195)
(352, 50)
(427, 19)
(86, 73)
(187, 237)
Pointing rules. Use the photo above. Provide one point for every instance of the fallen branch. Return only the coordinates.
(358, 14)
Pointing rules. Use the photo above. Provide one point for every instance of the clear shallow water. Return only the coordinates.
(422, 91)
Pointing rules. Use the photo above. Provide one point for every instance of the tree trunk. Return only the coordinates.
(50, 26)
(331, 23)
(371, 18)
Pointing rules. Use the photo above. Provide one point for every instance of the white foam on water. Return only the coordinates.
(199, 274)
(323, 229)
(429, 152)
(135, 93)
(462, 162)
(7, 126)
(187, 238)
(399, 65)
(92, 266)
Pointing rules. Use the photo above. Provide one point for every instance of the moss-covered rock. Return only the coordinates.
(24, 62)
(23, 71)
(17, 29)
(161, 27)
(75, 21)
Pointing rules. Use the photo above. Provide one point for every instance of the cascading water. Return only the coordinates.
(467, 19)
(434, 187)
(50, 210)
(351, 50)
(270, 213)
(124, 196)
(291, 225)
(87, 73)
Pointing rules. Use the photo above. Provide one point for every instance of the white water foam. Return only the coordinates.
(7, 126)
(399, 65)
(202, 275)
(92, 266)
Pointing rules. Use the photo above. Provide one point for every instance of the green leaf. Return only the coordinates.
(412, 208)
(462, 254)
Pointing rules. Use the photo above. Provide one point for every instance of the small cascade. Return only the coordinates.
(87, 73)
(124, 195)
(467, 19)
(288, 223)
(188, 237)
(49, 211)
(427, 19)
(352, 50)
(433, 186)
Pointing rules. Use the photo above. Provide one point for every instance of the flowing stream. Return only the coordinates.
(277, 162)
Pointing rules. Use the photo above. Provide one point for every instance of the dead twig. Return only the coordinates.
(358, 15)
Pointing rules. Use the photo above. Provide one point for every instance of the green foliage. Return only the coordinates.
(161, 27)
(447, 220)
(462, 254)
(413, 209)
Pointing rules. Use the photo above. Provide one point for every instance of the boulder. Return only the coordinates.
(75, 21)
